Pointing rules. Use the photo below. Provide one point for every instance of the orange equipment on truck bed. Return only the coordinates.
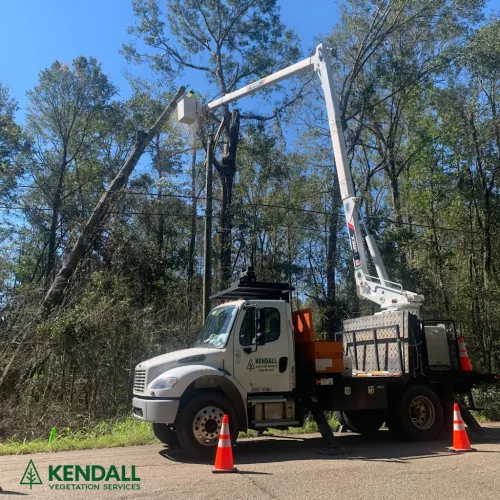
(303, 325)
(321, 356)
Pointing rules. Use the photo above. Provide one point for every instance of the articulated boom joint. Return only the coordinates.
(389, 295)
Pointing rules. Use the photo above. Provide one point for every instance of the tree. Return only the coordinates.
(65, 112)
(10, 143)
(386, 52)
(231, 42)
(469, 110)
(10, 171)
(89, 231)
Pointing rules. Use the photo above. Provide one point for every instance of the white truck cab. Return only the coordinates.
(244, 353)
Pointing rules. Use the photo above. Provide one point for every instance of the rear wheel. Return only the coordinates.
(364, 421)
(199, 424)
(166, 434)
(420, 413)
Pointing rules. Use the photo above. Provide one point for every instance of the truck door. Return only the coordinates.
(266, 367)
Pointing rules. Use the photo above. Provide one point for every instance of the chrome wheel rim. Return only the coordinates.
(422, 413)
(207, 424)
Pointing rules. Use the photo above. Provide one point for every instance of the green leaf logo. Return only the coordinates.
(31, 475)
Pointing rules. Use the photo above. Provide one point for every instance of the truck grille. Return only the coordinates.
(140, 380)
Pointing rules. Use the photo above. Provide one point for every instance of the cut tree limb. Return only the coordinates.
(55, 293)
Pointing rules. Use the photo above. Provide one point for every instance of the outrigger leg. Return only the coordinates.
(332, 448)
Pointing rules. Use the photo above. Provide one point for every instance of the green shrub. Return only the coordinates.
(489, 399)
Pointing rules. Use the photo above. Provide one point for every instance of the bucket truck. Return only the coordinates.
(259, 362)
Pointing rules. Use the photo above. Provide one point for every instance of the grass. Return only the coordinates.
(480, 417)
(125, 432)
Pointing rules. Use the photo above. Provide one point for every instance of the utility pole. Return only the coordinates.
(207, 275)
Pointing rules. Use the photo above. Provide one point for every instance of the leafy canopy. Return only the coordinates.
(67, 104)
(10, 142)
(232, 41)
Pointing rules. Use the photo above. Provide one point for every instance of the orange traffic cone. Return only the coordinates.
(224, 459)
(460, 438)
(465, 364)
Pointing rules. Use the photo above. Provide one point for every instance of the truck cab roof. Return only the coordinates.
(248, 288)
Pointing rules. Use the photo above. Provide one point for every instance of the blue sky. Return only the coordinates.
(35, 33)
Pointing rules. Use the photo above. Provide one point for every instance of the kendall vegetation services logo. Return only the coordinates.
(31, 476)
(86, 477)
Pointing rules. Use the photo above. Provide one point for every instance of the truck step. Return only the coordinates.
(285, 422)
(253, 400)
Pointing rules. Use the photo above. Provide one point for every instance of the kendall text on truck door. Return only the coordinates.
(257, 361)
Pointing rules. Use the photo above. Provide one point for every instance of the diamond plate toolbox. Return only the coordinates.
(378, 342)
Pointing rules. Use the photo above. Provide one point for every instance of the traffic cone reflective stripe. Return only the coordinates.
(460, 437)
(224, 458)
(465, 364)
(458, 423)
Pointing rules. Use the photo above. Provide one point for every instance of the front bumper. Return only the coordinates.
(156, 410)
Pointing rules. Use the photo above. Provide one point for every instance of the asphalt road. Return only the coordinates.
(289, 467)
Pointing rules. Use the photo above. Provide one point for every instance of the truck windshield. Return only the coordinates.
(217, 327)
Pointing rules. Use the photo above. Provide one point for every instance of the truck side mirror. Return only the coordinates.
(254, 342)
(260, 339)
(259, 335)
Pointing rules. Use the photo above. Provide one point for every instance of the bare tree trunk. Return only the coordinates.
(439, 260)
(227, 171)
(486, 244)
(439, 263)
(477, 318)
(56, 206)
(396, 202)
(55, 293)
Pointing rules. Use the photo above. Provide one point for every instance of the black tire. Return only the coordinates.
(166, 434)
(420, 413)
(364, 421)
(216, 405)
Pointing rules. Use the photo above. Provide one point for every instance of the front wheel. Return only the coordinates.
(420, 413)
(166, 434)
(199, 424)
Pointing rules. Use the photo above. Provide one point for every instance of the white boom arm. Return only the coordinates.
(389, 295)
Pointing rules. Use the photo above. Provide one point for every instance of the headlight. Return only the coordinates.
(164, 383)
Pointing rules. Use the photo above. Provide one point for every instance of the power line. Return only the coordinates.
(265, 205)
(46, 209)
(189, 216)
(426, 226)
(139, 193)
(171, 195)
